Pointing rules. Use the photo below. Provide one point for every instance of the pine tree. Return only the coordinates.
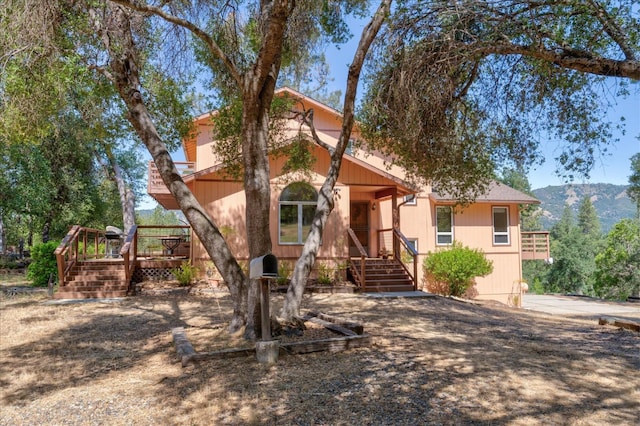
(564, 226)
(634, 182)
(588, 221)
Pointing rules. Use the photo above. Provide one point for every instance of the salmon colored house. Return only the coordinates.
(377, 213)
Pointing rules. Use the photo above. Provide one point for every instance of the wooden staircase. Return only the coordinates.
(381, 275)
(95, 279)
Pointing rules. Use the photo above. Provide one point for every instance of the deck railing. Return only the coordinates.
(155, 183)
(534, 245)
(360, 273)
(129, 252)
(152, 241)
(83, 243)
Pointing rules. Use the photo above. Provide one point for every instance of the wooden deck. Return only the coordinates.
(92, 266)
(535, 245)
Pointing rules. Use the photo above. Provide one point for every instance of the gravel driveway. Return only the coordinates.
(580, 306)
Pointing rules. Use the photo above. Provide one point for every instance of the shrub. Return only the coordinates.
(451, 271)
(185, 273)
(43, 263)
(325, 274)
(284, 272)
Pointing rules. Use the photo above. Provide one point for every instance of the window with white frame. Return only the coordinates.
(410, 200)
(413, 243)
(501, 226)
(444, 225)
(296, 210)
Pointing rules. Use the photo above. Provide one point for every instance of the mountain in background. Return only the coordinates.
(610, 201)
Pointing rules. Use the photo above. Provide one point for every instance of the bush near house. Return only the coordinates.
(185, 273)
(451, 271)
(43, 263)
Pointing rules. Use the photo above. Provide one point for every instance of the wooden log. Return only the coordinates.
(351, 325)
(626, 324)
(184, 348)
(333, 327)
(336, 344)
(221, 354)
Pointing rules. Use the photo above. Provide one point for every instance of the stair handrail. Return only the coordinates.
(363, 254)
(129, 253)
(62, 251)
(399, 236)
(67, 253)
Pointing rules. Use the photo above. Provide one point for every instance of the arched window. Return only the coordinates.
(297, 208)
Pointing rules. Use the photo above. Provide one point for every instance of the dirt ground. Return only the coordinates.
(432, 361)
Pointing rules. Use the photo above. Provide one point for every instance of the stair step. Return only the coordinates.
(97, 268)
(382, 275)
(391, 283)
(97, 277)
(98, 294)
(91, 286)
(388, 288)
(388, 277)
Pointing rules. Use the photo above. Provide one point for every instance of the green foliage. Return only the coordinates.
(159, 216)
(618, 265)
(573, 252)
(299, 157)
(634, 182)
(530, 214)
(456, 266)
(454, 71)
(534, 273)
(43, 263)
(185, 273)
(588, 221)
(284, 272)
(325, 273)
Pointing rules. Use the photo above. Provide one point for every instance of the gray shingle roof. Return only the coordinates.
(497, 192)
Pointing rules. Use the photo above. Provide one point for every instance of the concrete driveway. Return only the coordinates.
(583, 306)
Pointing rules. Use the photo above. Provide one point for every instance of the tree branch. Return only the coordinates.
(613, 30)
(569, 58)
(277, 12)
(197, 31)
(103, 71)
(353, 77)
(307, 118)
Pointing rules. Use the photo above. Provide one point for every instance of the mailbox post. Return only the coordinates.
(265, 268)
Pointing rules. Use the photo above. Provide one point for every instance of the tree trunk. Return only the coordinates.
(255, 138)
(127, 196)
(2, 233)
(45, 230)
(114, 29)
(325, 206)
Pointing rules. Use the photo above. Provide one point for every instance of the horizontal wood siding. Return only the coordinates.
(472, 227)
(503, 284)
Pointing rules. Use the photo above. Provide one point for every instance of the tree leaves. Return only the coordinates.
(490, 80)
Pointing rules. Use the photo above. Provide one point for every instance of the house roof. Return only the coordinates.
(189, 143)
(496, 192)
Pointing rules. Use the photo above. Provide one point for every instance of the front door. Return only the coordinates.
(359, 222)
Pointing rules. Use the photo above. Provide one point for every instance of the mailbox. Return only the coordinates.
(264, 267)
